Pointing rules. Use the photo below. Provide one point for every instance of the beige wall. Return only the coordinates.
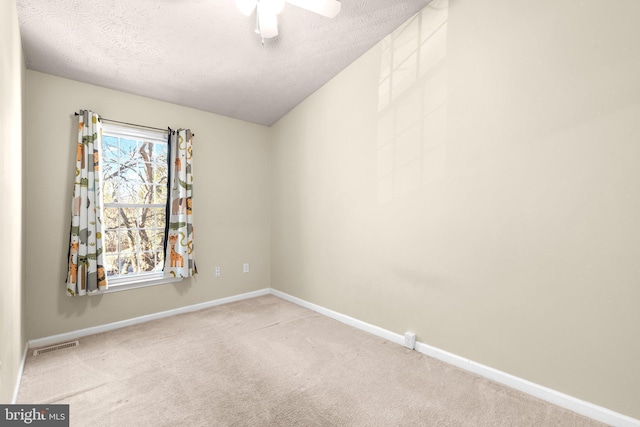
(480, 186)
(11, 193)
(477, 184)
(231, 205)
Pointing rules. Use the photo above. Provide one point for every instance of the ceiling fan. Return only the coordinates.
(267, 11)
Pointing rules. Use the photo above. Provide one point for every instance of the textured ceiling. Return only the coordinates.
(203, 53)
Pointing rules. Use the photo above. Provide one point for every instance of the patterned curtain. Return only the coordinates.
(86, 272)
(179, 253)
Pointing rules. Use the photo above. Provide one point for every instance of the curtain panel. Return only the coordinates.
(179, 250)
(86, 273)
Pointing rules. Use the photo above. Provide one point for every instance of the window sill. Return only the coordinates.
(125, 283)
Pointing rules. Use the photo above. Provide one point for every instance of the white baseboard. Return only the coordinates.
(16, 389)
(67, 336)
(571, 403)
(582, 407)
(367, 327)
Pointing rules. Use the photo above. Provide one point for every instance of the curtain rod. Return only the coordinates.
(133, 124)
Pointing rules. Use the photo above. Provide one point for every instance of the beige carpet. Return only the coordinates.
(267, 362)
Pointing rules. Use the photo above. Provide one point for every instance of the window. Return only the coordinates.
(134, 191)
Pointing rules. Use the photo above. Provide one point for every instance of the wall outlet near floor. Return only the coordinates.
(245, 267)
(410, 340)
(218, 272)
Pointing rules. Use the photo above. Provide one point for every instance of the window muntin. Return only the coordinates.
(134, 170)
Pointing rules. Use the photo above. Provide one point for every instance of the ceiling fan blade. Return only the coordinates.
(267, 23)
(328, 8)
(246, 6)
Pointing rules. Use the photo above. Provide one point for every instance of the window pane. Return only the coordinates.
(130, 189)
(141, 172)
(109, 145)
(111, 241)
(147, 262)
(108, 192)
(128, 148)
(147, 217)
(149, 170)
(160, 173)
(159, 238)
(109, 162)
(146, 240)
(160, 152)
(129, 217)
(145, 194)
(116, 182)
(128, 264)
(128, 240)
(145, 151)
(111, 265)
(111, 218)
(160, 217)
(160, 194)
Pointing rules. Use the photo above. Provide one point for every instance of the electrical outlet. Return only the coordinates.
(245, 267)
(218, 272)
(410, 340)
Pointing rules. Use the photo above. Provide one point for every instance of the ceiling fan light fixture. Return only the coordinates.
(267, 23)
(246, 6)
(267, 11)
(271, 7)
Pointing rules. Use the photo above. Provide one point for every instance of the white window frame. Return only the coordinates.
(145, 279)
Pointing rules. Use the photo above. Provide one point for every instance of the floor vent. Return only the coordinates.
(56, 347)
